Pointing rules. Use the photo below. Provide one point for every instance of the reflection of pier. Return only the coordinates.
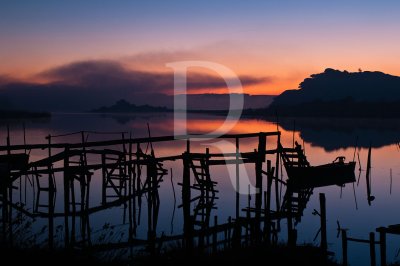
(129, 175)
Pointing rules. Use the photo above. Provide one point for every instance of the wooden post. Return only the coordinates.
(322, 202)
(344, 247)
(155, 196)
(66, 195)
(150, 206)
(129, 166)
(50, 198)
(382, 242)
(293, 238)
(237, 235)
(87, 209)
(215, 232)
(82, 187)
(248, 216)
(372, 248)
(10, 215)
(73, 216)
(187, 220)
(131, 194)
(277, 199)
(260, 158)
(368, 177)
(268, 203)
(8, 197)
(104, 179)
(237, 179)
(135, 193)
(138, 179)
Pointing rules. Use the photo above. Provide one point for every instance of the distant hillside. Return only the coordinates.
(123, 106)
(342, 94)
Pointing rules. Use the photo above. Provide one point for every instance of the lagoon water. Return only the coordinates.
(324, 140)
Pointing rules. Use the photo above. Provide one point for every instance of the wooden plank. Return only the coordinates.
(134, 141)
(232, 161)
(358, 240)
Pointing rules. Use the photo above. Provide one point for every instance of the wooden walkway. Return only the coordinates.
(129, 175)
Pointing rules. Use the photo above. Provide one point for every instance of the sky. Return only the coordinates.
(276, 44)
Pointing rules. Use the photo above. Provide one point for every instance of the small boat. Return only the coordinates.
(302, 175)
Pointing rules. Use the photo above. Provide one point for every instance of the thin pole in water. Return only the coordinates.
(355, 197)
(391, 181)
(294, 129)
(368, 177)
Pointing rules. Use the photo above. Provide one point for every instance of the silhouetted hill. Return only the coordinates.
(123, 106)
(341, 94)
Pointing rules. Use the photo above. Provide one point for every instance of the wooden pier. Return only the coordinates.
(130, 174)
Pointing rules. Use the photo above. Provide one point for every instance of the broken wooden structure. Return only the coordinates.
(130, 175)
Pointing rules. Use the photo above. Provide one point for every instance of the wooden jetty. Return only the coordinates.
(131, 174)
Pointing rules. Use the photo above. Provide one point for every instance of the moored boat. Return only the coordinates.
(302, 175)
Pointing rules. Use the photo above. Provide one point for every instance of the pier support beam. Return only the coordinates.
(267, 212)
(324, 242)
(262, 140)
(51, 187)
(372, 248)
(382, 242)
(186, 197)
(66, 197)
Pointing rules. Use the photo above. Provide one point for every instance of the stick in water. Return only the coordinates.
(368, 177)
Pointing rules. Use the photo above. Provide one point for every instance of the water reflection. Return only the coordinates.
(337, 133)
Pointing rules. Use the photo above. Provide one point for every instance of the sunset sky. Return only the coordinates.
(278, 42)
